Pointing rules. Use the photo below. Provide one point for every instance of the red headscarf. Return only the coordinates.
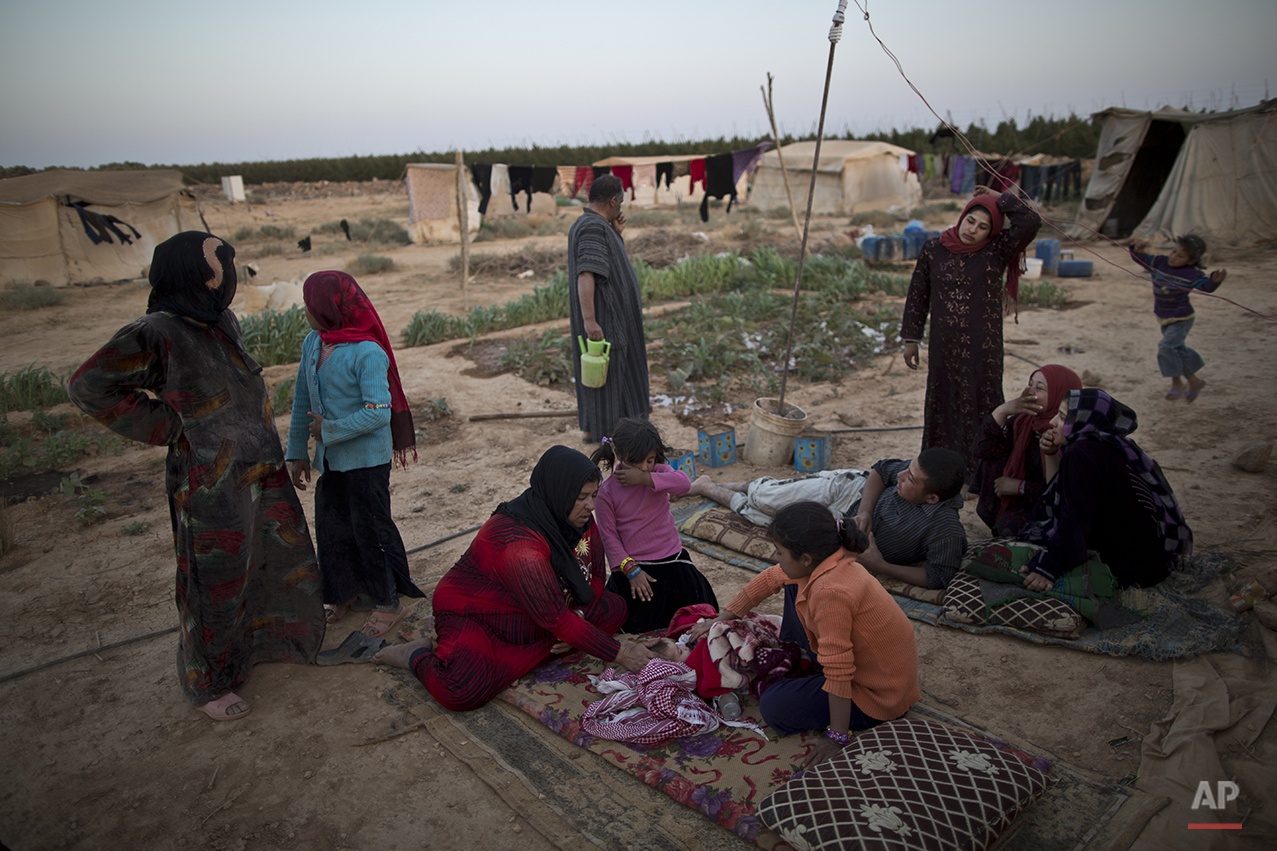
(950, 240)
(1059, 381)
(345, 315)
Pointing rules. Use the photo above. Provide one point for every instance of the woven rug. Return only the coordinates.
(1176, 625)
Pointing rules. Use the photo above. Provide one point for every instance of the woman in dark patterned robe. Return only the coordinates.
(531, 584)
(604, 301)
(248, 586)
(958, 281)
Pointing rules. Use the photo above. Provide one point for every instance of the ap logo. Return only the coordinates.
(1226, 791)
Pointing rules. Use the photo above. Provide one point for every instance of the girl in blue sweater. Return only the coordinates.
(1174, 277)
(349, 399)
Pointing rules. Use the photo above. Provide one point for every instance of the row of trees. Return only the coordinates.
(1071, 136)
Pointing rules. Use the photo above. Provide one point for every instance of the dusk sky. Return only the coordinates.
(83, 83)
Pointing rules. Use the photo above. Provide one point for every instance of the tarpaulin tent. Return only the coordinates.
(1171, 172)
(43, 236)
(432, 202)
(852, 177)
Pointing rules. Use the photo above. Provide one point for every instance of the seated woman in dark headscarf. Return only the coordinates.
(531, 583)
(1011, 476)
(247, 582)
(1108, 496)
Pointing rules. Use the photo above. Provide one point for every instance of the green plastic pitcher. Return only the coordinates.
(594, 358)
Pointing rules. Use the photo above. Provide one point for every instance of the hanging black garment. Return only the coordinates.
(718, 182)
(600, 170)
(481, 174)
(666, 169)
(520, 181)
(543, 177)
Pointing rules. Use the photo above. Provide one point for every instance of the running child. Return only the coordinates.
(1174, 277)
(650, 567)
(348, 387)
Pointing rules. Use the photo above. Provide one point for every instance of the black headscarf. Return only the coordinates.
(544, 507)
(179, 272)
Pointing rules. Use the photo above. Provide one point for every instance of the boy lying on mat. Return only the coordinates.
(909, 508)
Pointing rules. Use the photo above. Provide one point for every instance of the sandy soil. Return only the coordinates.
(103, 752)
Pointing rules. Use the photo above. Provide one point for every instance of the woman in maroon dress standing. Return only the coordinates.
(958, 280)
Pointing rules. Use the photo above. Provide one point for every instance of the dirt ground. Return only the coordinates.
(102, 752)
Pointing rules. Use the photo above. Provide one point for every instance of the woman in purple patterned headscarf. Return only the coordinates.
(1108, 496)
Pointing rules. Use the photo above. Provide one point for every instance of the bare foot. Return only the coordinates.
(560, 647)
(398, 655)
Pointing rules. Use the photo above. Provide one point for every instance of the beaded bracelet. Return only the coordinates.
(630, 574)
(839, 739)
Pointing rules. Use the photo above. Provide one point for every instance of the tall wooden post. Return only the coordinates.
(771, 116)
(463, 221)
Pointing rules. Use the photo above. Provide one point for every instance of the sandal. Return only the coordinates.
(383, 620)
(1192, 394)
(226, 707)
(356, 648)
(332, 614)
(1172, 394)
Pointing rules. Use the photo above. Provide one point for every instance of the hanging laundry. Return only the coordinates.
(912, 168)
(1032, 180)
(718, 182)
(567, 178)
(944, 158)
(644, 175)
(904, 163)
(999, 175)
(626, 174)
(682, 168)
(520, 181)
(696, 168)
(544, 178)
(928, 166)
(500, 188)
(968, 177)
(665, 170)
(481, 174)
(747, 160)
(584, 177)
(957, 168)
(600, 170)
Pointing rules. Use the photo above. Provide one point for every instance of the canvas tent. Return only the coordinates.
(432, 202)
(1171, 172)
(42, 237)
(852, 177)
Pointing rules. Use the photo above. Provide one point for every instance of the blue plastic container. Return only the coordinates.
(891, 249)
(933, 234)
(1049, 253)
(913, 243)
(915, 226)
(869, 248)
(1076, 268)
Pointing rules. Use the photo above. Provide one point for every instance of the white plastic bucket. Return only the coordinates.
(1032, 268)
(771, 437)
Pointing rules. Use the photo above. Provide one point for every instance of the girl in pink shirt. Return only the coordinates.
(650, 568)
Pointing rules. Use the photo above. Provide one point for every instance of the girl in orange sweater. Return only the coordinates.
(864, 646)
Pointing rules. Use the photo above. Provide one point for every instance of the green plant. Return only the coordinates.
(89, 499)
(779, 213)
(936, 209)
(371, 264)
(650, 218)
(378, 230)
(31, 388)
(137, 527)
(28, 297)
(63, 447)
(244, 235)
(277, 232)
(436, 409)
(751, 228)
(542, 360)
(1043, 294)
(492, 228)
(48, 423)
(281, 400)
(459, 487)
(274, 337)
(426, 327)
(877, 218)
(19, 459)
(268, 249)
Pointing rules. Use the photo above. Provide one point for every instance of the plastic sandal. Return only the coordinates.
(381, 622)
(332, 614)
(1191, 395)
(356, 648)
(1172, 395)
(220, 709)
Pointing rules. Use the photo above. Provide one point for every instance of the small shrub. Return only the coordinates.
(436, 409)
(137, 527)
(31, 388)
(1043, 294)
(779, 213)
(62, 448)
(89, 499)
(426, 327)
(276, 232)
(371, 264)
(459, 487)
(281, 401)
(877, 218)
(244, 235)
(273, 337)
(542, 360)
(503, 229)
(27, 297)
(751, 229)
(378, 230)
(269, 249)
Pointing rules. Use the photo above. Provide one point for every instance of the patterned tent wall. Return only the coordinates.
(432, 202)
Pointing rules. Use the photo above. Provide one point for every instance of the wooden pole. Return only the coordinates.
(528, 415)
(463, 221)
(771, 116)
